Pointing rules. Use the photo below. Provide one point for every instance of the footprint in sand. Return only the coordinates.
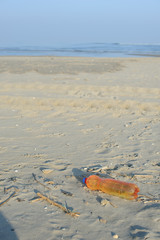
(88, 130)
(59, 134)
(3, 149)
(105, 148)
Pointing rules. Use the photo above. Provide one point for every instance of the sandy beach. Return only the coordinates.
(63, 118)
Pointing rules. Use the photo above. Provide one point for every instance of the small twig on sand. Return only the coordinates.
(11, 196)
(34, 176)
(113, 205)
(73, 214)
(142, 195)
(148, 199)
(106, 201)
(8, 188)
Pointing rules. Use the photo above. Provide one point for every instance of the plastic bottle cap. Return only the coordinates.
(84, 180)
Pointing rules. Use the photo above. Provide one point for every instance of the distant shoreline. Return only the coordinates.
(103, 57)
(85, 50)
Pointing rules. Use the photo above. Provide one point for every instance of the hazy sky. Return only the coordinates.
(52, 22)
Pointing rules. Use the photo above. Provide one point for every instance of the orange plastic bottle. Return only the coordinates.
(113, 187)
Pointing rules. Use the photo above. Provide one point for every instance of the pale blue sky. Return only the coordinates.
(52, 22)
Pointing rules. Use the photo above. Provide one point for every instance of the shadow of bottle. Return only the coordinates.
(80, 175)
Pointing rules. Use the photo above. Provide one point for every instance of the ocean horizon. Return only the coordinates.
(85, 50)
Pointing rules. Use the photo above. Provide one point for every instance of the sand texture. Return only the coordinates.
(65, 118)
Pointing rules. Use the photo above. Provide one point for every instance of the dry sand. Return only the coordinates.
(63, 118)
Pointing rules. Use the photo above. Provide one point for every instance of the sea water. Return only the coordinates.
(85, 50)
